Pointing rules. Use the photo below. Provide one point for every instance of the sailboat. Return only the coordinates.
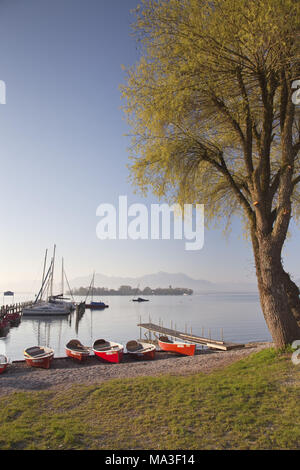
(60, 299)
(52, 306)
(94, 305)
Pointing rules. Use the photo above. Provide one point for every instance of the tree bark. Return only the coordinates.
(274, 286)
(293, 292)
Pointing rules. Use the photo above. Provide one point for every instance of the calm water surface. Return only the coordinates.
(238, 314)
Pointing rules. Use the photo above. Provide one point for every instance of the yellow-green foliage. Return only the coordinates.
(185, 99)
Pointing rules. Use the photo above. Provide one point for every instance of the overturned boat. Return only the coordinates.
(141, 350)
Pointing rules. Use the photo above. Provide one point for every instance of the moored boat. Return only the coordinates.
(140, 299)
(3, 363)
(46, 309)
(108, 351)
(13, 318)
(141, 350)
(92, 305)
(77, 351)
(39, 356)
(96, 306)
(167, 344)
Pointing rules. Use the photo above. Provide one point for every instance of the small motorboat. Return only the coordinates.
(140, 299)
(96, 306)
(77, 351)
(39, 356)
(167, 344)
(141, 350)
(108, 351)
(3, 363)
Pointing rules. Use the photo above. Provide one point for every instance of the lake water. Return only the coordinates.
(239, 315)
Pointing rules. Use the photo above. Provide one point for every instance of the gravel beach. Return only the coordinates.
(65, 372)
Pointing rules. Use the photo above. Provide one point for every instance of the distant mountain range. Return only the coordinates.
(162, 279)
(155, 280)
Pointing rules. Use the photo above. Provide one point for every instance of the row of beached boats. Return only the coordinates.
(105, 351)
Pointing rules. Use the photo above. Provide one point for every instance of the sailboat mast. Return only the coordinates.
(52, 273)
(62, 277)
(44, 268)
(93, 286)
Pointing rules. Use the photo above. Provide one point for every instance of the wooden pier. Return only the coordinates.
(13, 308)
(191, 338)
(10, 316)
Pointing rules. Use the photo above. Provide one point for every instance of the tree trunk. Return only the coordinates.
(272, 285)
(293, 292)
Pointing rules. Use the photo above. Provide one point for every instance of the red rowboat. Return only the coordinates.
(181, 348)
(39, 356)
(77, 351)
(108, 351)
(141, 350)
(3, 363)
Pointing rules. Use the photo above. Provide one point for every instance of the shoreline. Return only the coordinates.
(65, 372)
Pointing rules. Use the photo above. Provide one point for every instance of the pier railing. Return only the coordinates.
(14, 308)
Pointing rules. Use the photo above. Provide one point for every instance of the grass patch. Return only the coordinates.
(252, 404)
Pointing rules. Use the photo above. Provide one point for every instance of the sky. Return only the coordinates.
(64, 151)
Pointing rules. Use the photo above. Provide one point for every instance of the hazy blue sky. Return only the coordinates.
(63, 150)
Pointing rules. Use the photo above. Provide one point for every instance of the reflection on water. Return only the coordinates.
(238, 315)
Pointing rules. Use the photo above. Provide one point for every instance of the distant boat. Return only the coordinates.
(138, 299)
(39, 356)
(108, 351)
(171, 346)
(77, 351)
(96, 306)
(141, 350)
(3, 363)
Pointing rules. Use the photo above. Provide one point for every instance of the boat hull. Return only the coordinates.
(140, 350)
(42, 362)
(44, 313)
(114, 357)
(96, 307)
(147, 355)
(80, 356)
(39, 356)
(3, 368)
(3, 364)
(179, 348)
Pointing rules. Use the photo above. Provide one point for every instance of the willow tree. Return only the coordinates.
(214, 121)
